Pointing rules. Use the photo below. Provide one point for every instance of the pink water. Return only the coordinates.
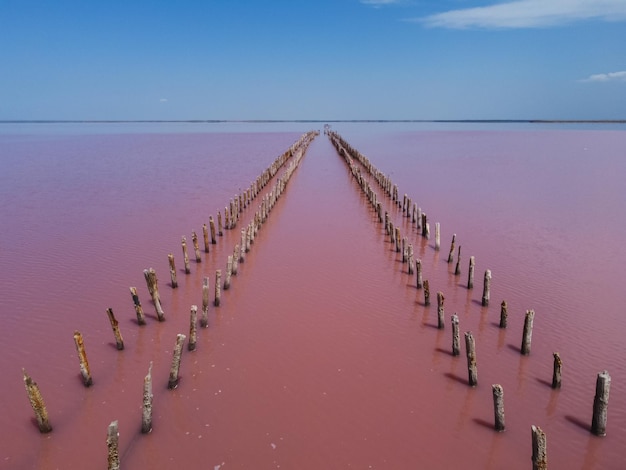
(322, 354)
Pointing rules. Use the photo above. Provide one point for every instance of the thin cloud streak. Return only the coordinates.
(527, 14)
(606, 77)
(379, 3)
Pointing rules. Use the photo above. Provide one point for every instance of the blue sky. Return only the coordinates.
(324, 59)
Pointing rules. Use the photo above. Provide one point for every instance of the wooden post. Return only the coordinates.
(218, 286)
(425, 228)
(387, 222)
(173, 277)
(503, 314)
(196, 247)
(212, 226)
(236, 260)
(229, 272)
(600, 404)
(36, 401)
(410, 259)
(227, 219)
(498, 406)
(204, 319)
(398, 239)
(470, 347)
(451, 253)
(528, 331)
(193, 328)
(418, 269)
(82, 358)
(470, 273)
(141, 319)
(119, 342)
(146, 413)
(185, 255)
(440, 313)
(219, 224)
(457, 270)
(242, 251)
(540, 456)
(113, 454)
(426, 293)
(174, 369)
(427, 231)
(456, 340)
(556, 370)
(205, 236)
(486, 287)
(437, 236)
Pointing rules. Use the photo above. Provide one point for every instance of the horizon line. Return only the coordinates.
(214, 121)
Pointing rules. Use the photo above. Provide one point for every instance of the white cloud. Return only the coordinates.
(528, 14)
(378, 3)
(607, 77)
(163, 100)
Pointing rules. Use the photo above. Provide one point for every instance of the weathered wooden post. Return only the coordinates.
(600, 404)
(398, 238)
(229, 272)
(242, 251)
(146, 413)
(141, 319)
(451, 253)
(427, 231)
(204, 319)
(173, 277)
(36, 401)
(196, 247)
(219, 224)
(205, 236)
(82, 358)
(113, 454)
(175, 368)
(528, 331)
(387, 222)
(470, 272)
(540, 455)
(218, 287)
(212, 226)
(437, 236)
(426, 293)
(236, 260)
(498, 406)
(456, 340)
(119, 342)
(410, 259)
(486, 287)
(185, 255)
(556, 370)
(457, 270)
(418, 269)
(440, 312)
(193, 328)
(503, 314)
(470, 347)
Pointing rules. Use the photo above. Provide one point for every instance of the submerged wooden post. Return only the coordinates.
(556, 370)
(398, 238)
(503, 314)
(600, 404)
(236, 260)
(540, 455)
(36, 401)
(82, 359)
(173, 277)
(185, 255)
(205, 236)
(418, 269)
(229, 272)
(528, 331)
(410, 259)
(212, 226)
(146, 413)
(193, 328)
(141, 319)
(470, 272)
(456, 340)
(440, 312)
(437, 236)
(219, 224)
(498, 406)
(175, 368)
(204, 319)
(451, 253)
(457, 270)
(115, 325)
(218, 286)
(113, 454)
(424, 225)
(470, 347)
(426, 293)
(486, 287)
(196, 247)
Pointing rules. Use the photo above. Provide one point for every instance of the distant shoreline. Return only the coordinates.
(260, 121)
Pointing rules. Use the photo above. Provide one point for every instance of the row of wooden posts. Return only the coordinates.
(293, 157)
(364, 172)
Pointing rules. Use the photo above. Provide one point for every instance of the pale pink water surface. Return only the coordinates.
(322, 354)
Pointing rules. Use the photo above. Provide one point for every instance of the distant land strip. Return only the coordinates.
(215, 121)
